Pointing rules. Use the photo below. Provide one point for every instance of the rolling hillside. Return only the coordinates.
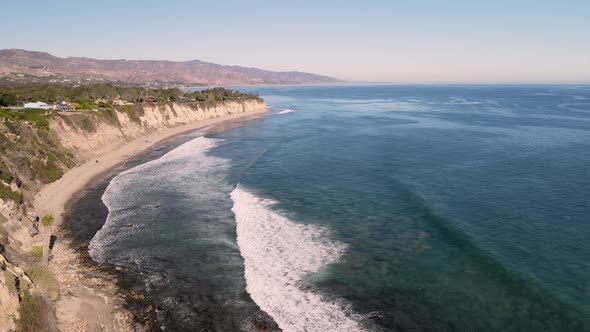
(29, 66)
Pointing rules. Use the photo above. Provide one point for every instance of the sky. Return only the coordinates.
(494, 41)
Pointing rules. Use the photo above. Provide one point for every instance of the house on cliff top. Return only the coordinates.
(119, 102)
(64, 106)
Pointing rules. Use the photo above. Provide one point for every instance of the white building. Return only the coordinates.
(119, 102)
(38, 104)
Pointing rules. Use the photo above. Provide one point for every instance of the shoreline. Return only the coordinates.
(54, 197)
(88, 297)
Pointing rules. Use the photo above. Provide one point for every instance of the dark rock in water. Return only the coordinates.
(263, 322)
(375, 315)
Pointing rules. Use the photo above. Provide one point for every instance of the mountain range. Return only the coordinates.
(18, 65)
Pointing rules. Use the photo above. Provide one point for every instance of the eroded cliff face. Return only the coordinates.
(33, 156)
(91, 136)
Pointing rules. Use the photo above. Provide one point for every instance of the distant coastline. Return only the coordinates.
(17, 65)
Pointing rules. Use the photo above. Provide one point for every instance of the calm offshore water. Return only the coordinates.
(369, 207)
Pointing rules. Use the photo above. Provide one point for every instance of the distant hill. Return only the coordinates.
(30, 66)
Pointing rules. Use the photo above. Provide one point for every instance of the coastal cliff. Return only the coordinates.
(90, 137)
(42, 164)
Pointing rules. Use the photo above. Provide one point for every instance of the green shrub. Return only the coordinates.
(219, 94)
(32, 115)
(47, 220)
(37, 253)
(37, 119)
(6, 144)
(29, 310)
(51, 157)
(46, 172)
(85, 103)
(8, 99)
(35, 314)
(7, 193)
(4, 173)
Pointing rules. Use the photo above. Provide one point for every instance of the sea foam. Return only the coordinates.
(278, 253)
(286, 111)
(129, 203)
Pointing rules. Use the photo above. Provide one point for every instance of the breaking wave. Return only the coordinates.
(129, 196)
(278, 254)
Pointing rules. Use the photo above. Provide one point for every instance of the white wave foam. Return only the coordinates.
(286, 111)
(462, 101)
(126, 193)
(278, 253)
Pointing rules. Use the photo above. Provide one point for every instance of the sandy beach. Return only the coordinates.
(93, 303)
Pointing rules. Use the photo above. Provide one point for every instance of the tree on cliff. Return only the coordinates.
(8, 99)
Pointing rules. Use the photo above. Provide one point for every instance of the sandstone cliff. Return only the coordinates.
(92, 136)
(34, 155)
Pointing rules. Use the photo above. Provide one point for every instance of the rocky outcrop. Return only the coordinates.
(12, 281)
(91, 136)
(9, 302)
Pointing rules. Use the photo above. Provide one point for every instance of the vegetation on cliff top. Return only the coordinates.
(31, 155)
(86, 95)
(220, 94)
(7, 193)
(32, 115)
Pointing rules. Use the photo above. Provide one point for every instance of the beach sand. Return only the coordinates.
(89, 300)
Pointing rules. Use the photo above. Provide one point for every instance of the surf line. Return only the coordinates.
(239, 178)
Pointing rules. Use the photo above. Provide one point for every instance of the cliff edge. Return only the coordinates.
(42, 164)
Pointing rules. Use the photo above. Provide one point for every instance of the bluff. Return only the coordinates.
(38, 150)
(91, 136)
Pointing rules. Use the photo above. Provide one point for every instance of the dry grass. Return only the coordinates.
(10, 282)
(36, 314)
(44, 280)
(37, 253)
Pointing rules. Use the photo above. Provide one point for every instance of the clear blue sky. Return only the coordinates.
(399, 41)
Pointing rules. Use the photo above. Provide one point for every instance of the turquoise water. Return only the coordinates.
(370, 207)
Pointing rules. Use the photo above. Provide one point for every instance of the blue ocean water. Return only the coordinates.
(387, 207)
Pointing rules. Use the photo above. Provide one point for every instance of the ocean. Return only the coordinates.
(361, 208)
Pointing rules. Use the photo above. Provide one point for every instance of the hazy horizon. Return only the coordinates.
(378, 41)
